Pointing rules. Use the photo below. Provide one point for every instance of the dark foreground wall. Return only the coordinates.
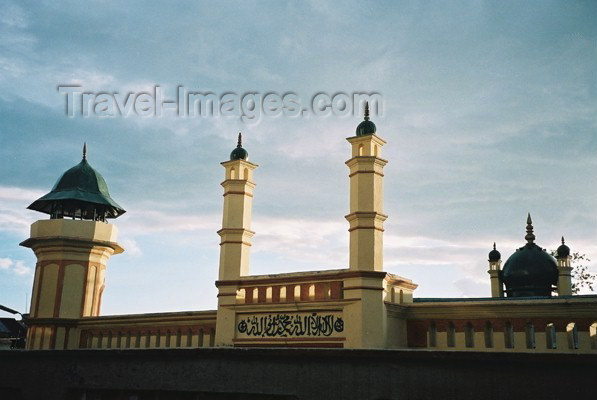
(292, 374)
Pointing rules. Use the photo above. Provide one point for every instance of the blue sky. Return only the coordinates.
(490, 111)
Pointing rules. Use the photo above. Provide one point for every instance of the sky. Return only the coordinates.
(489, 112)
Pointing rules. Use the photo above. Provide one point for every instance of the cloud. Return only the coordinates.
(131, 247)
(17, 267)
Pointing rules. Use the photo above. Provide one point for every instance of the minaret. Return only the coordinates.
(366, 198)
(564, 270)
(236, 231)
(71, 254)
(495, 262)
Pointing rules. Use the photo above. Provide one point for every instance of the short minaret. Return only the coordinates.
(366, 198)
(72, 254)
(564, 270)
(236, 231)
(495, 263)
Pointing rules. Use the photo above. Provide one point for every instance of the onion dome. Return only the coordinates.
(494, 255)
(81, 192)
(366, 127)
(239, 153)
(530, 271)
(563, 251)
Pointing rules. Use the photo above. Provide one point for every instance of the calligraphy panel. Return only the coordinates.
(282, 325)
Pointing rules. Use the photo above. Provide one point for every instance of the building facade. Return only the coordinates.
(360, 306)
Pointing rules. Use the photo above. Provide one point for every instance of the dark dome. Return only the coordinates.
(530, 271)
(494, 255)
(239, 153)
(80, 192)
(563, 250)
(366, 128)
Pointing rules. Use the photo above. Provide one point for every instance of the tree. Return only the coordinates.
(581, 277)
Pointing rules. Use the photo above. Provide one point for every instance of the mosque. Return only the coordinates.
(531, 307)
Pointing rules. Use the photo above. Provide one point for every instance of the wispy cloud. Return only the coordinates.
(17, 267)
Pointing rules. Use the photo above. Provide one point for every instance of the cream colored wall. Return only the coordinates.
(47, 298)
(72, 291)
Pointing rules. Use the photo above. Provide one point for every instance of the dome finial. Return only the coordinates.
(84, 150)
(240, 140)
(494, 245)
(563, 240)
(530, 236)
(366, 111)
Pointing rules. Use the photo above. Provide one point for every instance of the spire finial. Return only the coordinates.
(530, 236)
(366, 111)
(563, 240)
(494, 245)
(240, 140)
(84, 150)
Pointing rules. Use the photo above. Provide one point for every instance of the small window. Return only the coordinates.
(432, 334)
(488, 335)
(451, 335)
(508, 335)
(550, 336)
(469, 335)
(593, 335)
(572, 332)
(529, 331)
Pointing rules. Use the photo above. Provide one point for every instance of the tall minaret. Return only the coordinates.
(71, 254)
(236, 231)
(366, 198)
(564, 270)
(495, 262)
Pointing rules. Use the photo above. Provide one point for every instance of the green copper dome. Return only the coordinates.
(366, 127)
(239, 153)
(81, 192)
(530, 271)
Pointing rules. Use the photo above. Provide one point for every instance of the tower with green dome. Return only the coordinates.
(72, 249)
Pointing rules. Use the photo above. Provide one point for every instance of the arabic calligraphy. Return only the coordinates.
(284, 325)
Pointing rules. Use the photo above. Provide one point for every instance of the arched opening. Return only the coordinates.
(360, 150)
(593, 335)
(232, 173)
(268, 294)
(451, 335)
(401, 297)
(469, 335)
(375, 150)
(246, 174)
(508, 335)
(488, 335)
(432, 334)
(282, 293)
(240, 296)
(168, 338)
(178, 338)
(529, 331)
(572, 333)
(550, 336)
